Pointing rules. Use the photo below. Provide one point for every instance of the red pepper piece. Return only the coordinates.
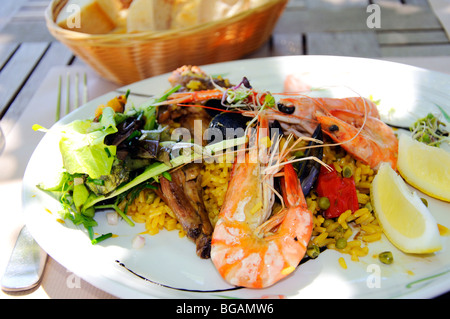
(339, 190)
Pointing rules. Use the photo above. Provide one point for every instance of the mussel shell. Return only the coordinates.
(226, 125)
(308, 171)
(216, 104)
(276, 130)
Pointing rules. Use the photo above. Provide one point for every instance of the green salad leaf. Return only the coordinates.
(157, 169)
(83, 149)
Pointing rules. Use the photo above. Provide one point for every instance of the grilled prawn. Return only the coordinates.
(352, 122)
(249, 247)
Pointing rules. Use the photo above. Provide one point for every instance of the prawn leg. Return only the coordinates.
(193, 97)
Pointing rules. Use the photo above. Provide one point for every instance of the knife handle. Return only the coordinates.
(26, 264)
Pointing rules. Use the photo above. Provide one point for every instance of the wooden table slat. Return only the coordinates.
(412, 37)
(359, 44)
(417, 2)
(56, 55)
(16, 71)
(393, 16)
(6, 52)
(416, 50)
(287, 44)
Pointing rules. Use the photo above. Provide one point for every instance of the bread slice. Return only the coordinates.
(186, 13)
(149, 15)
(213, 10)
(257, 3)
(89, 16)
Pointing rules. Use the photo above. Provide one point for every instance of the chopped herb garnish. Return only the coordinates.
(430, 130)
(101, 238)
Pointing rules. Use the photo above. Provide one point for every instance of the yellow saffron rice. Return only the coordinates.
(358, 228)
(148, 207)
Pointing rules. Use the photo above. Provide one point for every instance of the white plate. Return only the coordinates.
(167, 266)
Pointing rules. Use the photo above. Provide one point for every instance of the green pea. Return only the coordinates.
(386, 257)
(313, 251)
(347, 172)
(324, 203)
(341, 243)
(327, 222)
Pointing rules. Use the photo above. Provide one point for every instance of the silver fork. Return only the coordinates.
(68, 94)
(27, 262)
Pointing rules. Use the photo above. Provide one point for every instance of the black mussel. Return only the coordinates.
(276, 130)
(214, 107)
(308, 170)
(226, 125)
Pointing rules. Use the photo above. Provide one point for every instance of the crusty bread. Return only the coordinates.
(186, 13)
(89, 16)
(257, 3)
(213, 10)
(149, 15)
(119, 16)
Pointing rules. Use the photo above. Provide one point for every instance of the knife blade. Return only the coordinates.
(26, 264)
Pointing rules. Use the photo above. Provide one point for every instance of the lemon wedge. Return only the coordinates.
(405, 220)
(425, 167)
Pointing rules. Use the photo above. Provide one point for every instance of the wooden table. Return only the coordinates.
(410, 31)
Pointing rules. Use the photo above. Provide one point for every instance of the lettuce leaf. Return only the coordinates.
(83, 149)
(156, 169)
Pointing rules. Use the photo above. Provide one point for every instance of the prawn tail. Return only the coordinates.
(291, 188)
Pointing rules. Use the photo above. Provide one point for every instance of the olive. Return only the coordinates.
(286, 109)
(386, 257)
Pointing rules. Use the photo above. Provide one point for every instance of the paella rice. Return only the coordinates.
(356, 229)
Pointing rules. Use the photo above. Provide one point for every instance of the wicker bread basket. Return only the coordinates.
(126, 58)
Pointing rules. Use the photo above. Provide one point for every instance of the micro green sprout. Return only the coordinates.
(430, 130)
